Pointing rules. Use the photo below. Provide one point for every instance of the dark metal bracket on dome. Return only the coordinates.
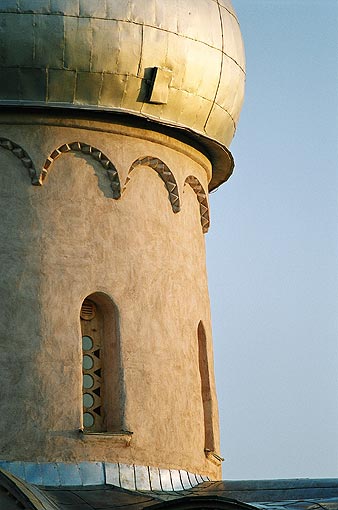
(183, 76)
(158, 92)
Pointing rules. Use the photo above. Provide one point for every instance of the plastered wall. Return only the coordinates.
(73, 236)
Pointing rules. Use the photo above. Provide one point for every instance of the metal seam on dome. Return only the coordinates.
(91, 31)
(184, 36)
(220, 72)
(117, 74)
(19, 11)
(103, 106)
(64, 48)
(139, 68)
(227, 112)
(122, 74)
(101, 86)
(231, 13)
(202, 97)
(234, 16)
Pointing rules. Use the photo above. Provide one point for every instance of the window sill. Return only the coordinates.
(115, 437)
(213, 457)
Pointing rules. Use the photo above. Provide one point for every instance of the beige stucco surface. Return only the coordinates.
(64, 240)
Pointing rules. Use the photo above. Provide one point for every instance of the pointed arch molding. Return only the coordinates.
(195, 184)
(23, 156)
(86, 150)
(166, 175)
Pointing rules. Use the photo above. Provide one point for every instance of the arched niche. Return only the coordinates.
(102, 380)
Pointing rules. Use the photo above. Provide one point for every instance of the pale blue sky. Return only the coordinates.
(273, 249)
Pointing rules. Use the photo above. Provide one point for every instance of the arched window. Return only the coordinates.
(209, 440)
(102, 381)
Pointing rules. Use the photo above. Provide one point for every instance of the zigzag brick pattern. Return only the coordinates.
(202, 199)
(25, 159)
(94, 153)
(166, 175)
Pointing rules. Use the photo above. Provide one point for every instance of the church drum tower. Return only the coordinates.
(115, 122)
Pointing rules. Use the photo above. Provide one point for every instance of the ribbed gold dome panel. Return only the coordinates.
(177, 62)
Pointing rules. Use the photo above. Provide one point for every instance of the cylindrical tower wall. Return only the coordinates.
(121, 213)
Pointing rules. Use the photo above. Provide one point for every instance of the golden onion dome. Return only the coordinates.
(173, 62)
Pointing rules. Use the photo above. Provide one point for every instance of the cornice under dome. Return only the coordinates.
(157, 59)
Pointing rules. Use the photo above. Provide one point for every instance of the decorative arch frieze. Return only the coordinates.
(25, 159)
(201, 195)
(166, 175)
(86, 150)
(164, 172)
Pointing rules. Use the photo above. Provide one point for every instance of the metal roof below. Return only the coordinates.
(294, 494)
